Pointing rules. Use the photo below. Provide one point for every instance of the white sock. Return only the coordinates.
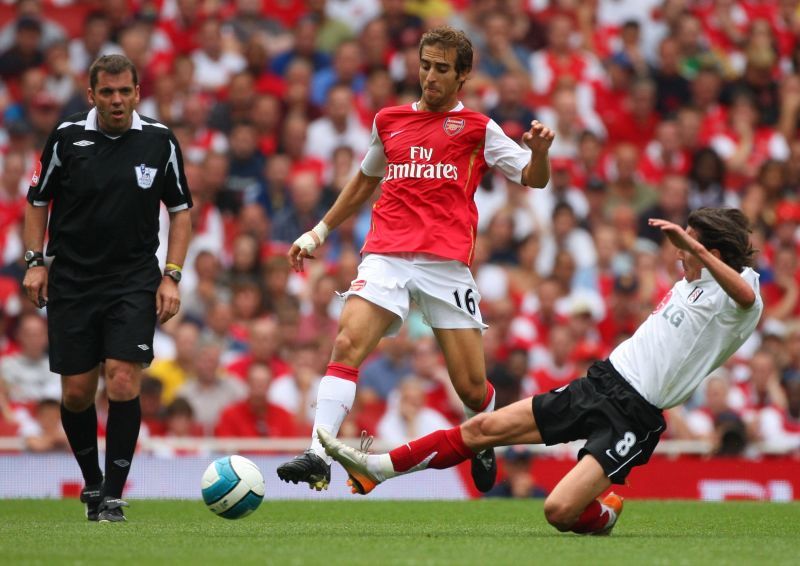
(380, 466)
(334, 400)
(469, 413)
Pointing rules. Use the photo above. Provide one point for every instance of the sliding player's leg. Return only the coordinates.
(574, 505)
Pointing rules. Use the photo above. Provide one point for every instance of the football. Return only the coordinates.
(232, 487)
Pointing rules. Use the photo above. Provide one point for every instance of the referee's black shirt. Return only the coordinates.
(106, 192)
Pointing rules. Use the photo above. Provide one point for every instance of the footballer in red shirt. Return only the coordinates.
(430, 156)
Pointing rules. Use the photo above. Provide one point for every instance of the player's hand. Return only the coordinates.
(539, 137)
(35, 285)
(168, 300)
(676, 234)
(304, 246)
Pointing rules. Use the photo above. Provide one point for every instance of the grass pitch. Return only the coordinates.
(488, 533)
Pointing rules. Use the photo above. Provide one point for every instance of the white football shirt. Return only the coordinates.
(694, 329)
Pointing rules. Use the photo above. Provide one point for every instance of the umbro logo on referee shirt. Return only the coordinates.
(83, 143)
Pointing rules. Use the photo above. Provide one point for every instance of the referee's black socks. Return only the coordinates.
(122, 432)
(81, 430)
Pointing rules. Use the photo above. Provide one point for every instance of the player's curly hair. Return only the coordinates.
(450, 38)
(726, 230)
(113, 65)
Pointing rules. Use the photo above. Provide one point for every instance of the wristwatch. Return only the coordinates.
(174, 274)
(34, 259)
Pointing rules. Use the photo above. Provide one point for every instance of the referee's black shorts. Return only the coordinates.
(620, 427)
(93, 317)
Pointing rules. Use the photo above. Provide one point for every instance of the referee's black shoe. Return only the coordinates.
(308, 468)
(484, 470)
(111, 510)
(92, 496)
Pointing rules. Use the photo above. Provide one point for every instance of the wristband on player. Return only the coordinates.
(313, 239)
(173, 267)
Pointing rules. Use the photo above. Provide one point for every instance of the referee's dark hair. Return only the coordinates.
(113, 65)
(727, 230)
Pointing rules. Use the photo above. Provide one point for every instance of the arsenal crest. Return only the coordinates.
(453, 126)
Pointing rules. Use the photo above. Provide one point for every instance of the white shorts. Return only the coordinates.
(443, 289)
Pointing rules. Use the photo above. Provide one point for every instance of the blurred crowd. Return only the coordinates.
(659, 107)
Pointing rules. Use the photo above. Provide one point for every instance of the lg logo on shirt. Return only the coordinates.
(674, 315)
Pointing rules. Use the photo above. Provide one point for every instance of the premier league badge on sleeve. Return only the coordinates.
(145, 175)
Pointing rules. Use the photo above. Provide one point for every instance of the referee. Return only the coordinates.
(103, 176)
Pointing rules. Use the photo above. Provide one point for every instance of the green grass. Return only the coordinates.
(488, 533)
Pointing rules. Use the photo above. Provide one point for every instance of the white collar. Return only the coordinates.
(457, 108)
(91, 122)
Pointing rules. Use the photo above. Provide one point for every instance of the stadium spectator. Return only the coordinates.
(625, 185)
(345, 70)
(43, 432)
(172, 373)
(304, 47)
(296, 391)
(152, 407)
(95, 41)
(339, 126)
(25, 52)
(304, 209)
(551, 363)
(763, 388)
(782, 294)
(566, 235)
(518, 479)
(407, 415)
(500, 55)
(254, 416)
(263, 343)
(210, 389)
(237, 106)
(780, 428)
(511, 112)
(381, 374)
(743, 144)
(673, 205)
(51, 31)
(707, 180)
(214, 64)
(26, 374)
(672, 88)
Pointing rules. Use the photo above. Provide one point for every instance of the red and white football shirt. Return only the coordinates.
(431, 164)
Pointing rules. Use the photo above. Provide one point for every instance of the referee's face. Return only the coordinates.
(115, 97)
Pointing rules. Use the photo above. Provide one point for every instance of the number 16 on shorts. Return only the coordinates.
(465, 300)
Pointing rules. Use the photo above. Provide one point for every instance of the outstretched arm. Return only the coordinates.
(727, 277)
(354, 194)
(538, 139)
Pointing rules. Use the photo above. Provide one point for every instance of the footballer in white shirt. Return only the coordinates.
(617, 408)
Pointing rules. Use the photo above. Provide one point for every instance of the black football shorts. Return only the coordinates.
(620, 427)
(95, 317)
